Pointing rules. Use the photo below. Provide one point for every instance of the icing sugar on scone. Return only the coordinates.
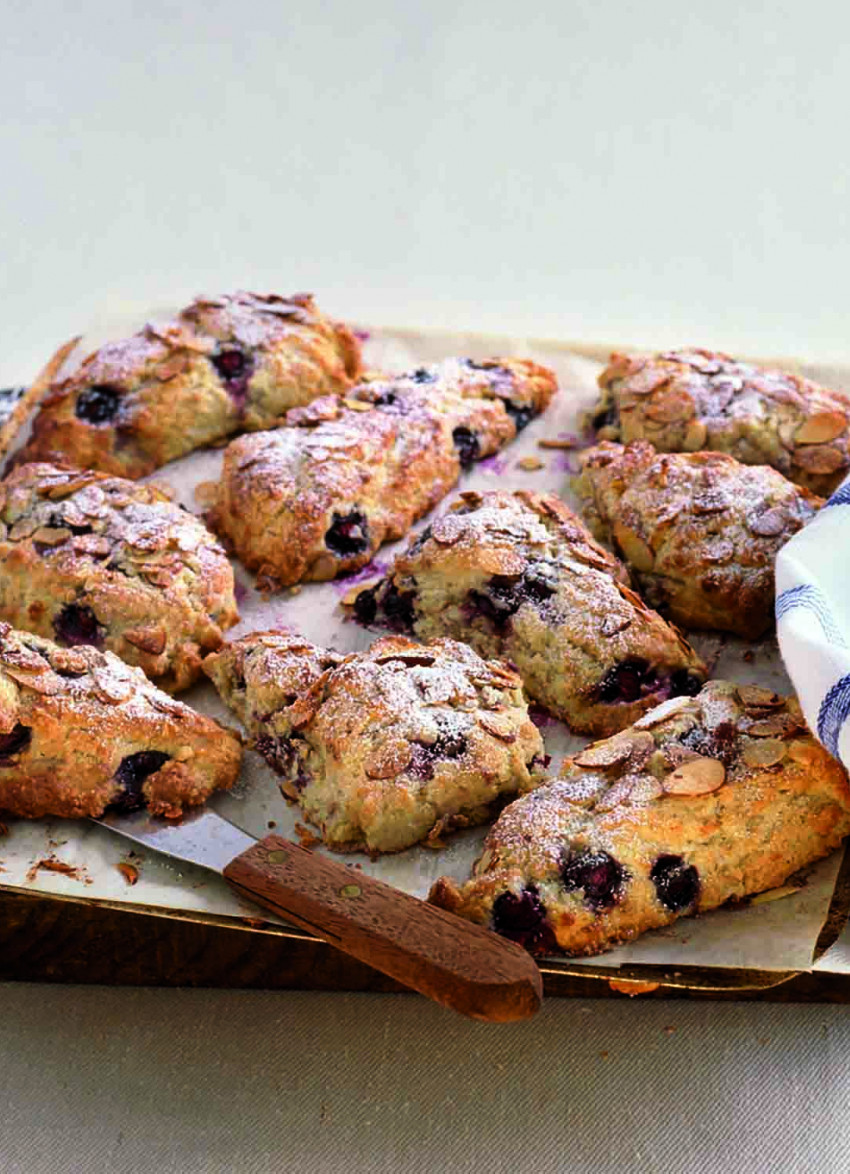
(91, 559)
(699, 531)
(223, 365)
(387, 747)
(81, 732)
(517, 575)
(316, 499)
(704, 800)
(683, 401)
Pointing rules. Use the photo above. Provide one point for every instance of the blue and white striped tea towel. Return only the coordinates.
(813, 620)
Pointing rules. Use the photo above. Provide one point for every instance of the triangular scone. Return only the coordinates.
(682, 401)
(80, 731)
(704, 800)
(699, 531)
(519, 576)
(386, 747)
(223, 365)
(317, 498)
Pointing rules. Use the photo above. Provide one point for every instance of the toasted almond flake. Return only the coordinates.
(770, 523)
(152, 639)
(128, 871)
(616, 750)
(696, 435)
(672, 407)
(804, 751)
(530, 464)
(358, 405)
(44, 682)
(756, 697)
(545, 443)
(449, 530)
(388, 759)
(301, 712)
(645, 790)
(501, 561)
(820, 458)
(69, 660)
(700, 776)
(718, 550)
(483, 862)
(409, 659)
(618, 793)
(775, 894)
(777, 725)
(500, 725)
(821, 427)
(635, 550)
(709, 501)
(111, 687)
(661, 712)
(173, 366)
(763, 753)
(23, 529)
(206, 493)
(48, 536)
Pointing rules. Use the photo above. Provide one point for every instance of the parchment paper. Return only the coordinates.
(773, 935)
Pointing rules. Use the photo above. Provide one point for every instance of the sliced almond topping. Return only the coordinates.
(766, 752)
(616, 795)
(571, 443)
(718, 550)
(779, 725)
(709, 501)
(150, 640)
(111, 687)
(45, 682)
(500, 725)
(700, 776)
(176, 365)
(820, 458)
(613, 751)
(449, 529)
(645, 790)
(661, 712)
(206, 493)
(301, 712)
(821, 427)
(695, 437)
(770, 523)
(483, 862)
(23, 529)
(69, 660)
(358, 405)
(501, 561)
(530, 464)
(635, 550)
(671, 408)
(412, 659)
(388, 759)
(755, 697)
(804, 751)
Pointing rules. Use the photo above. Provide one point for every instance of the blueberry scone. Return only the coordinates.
(700, 531)
(223, 365)
(683, 401)
(91, 559)
(81, 732)
(517, 575)
(704, 800)
(386, 747)
(316, 499)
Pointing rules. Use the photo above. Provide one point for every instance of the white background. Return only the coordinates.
(655, 172)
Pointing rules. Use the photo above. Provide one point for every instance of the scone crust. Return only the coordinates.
(699, 531)
(706, 800)
(165, 395)
(684, 401)
(517, 575)
(147, 578)
(71, 718)
(391, 746)
(373, 463)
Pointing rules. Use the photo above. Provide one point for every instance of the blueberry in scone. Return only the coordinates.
(387, 747)
(518, 576)
(90, 559)
(704, 800)
(699, 531)
(684, 401)
(317, 498)
(224, 365)
(81, 732)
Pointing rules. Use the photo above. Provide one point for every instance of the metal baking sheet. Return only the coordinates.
(774, 936)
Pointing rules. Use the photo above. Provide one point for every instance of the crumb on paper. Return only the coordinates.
(205, 493)
(51, 864)
(296, 590)
(272, 823)
(306, 838)
(530, 464)
(632, 986)
(129, 872)
(764, 1040)
(604, 1055)
(669, 1030)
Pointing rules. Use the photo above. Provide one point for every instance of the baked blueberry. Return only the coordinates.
(466, 443)
(627, 681)
(77, 624)
(522, 918)
(676, 883)
(131, 774)
(98, 404)
(348, 534)
(235, 366)
(14, 742)
(598, 874)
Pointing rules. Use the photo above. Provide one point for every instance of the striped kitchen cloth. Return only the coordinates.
(813, 620)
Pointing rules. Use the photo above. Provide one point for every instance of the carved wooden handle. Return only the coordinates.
(452, 961)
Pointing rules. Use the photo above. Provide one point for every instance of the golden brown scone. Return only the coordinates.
(81, 732)
(683, 401)
(704, 800)
(517, 575)
(91, 559)
(386, 747)
(316, 499)
(700, 531)
(223, 365)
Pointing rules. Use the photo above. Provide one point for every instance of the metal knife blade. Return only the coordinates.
(201, 837)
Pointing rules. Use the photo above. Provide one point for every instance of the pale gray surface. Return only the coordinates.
(661, 172)
(195, 1082)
